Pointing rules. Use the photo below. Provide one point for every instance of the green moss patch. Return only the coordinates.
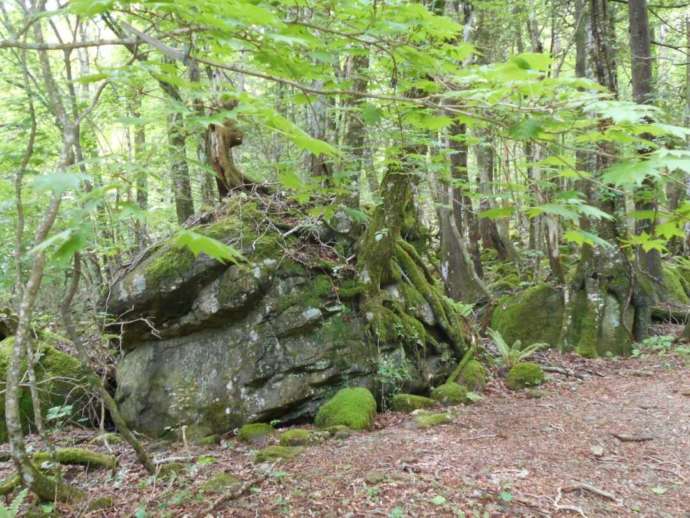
(427, 420)
(219, 483)
(410, 402)
(450, 394)
(296, 437)
(61, 379)
(473, 376)
(255, 432)
(526, 374)
(676, 287)
(351, 407)
(100, 503)
(274, 453)
(77, 456)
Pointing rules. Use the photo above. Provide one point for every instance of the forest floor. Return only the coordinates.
(614, 440)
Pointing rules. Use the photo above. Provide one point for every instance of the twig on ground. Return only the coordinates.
(232, 495)
(592, 489)
(632, 438)
(557, 505)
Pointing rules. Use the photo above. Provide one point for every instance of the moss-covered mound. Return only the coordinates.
(410, 402)
(254, 432)
(429, 420)
(526, 374)
(61, 380)
(351, 407)
(450, 394)
(473, 376)
(535, 315)
(297, 437)
(274, 453)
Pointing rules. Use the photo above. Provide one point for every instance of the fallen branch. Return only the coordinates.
(8, 485)
(77, 456)
(232, 495)
(561, 370)
(557, 505)
(632, 438)
(592, 489)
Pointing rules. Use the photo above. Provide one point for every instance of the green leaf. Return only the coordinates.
(371, 114)
(198, 243)
(670, 230)
(580, 237)
(438, 500)
(59, 182)
(497, 213)
(526, 129)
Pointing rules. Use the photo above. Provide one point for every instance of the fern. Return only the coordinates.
(512, 355)
(13, 509)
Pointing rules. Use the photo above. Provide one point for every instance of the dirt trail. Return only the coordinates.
(553, 453)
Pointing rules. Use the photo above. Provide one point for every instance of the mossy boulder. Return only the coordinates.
(523, 375)
(254, 433)
(534, 315)
(410, 402)
(351, 407)
(61, 379)
(275, 453)
(450, 394)
(677, 288)
(270, 338)
(473, 376)
(429, 420)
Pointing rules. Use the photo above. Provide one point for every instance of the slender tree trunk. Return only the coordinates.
(641, 73)
(355, 135)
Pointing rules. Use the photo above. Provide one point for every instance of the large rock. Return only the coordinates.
(210, 346)
(534, 315)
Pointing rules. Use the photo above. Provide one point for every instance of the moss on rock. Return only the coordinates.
(473, 376)
(535, 315)
(219, 483)
(526, 374)
(352, 407)
(254, 432)
(273, 453)
(450, 394)
(61, 378)
(676, 287)
(101, 503)
(296, 437)
(427, 420)
(410, 402)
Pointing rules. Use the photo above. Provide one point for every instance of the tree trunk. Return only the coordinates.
(491, 238)
(641, 73)
(457, 270)
(356, 131)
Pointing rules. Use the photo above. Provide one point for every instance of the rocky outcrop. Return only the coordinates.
(209, 346)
